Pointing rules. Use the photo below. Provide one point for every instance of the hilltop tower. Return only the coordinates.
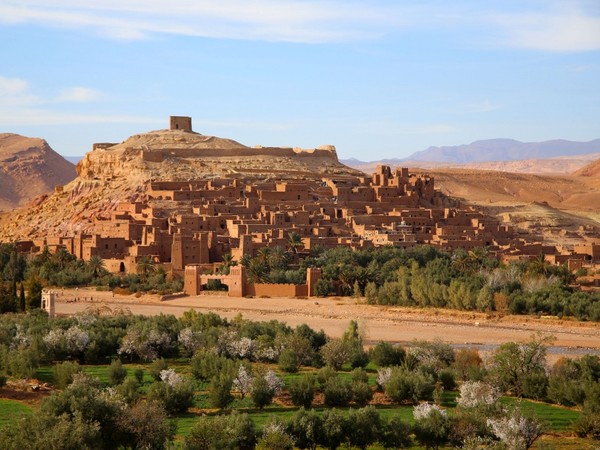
(182, 123)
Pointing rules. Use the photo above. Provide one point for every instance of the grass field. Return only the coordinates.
(558, 420)
(11, 410)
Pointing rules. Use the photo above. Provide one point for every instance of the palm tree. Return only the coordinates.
(294, 242)
(228, 262)
(96, 265)
(145, 266)
(278, 258)
(263, 254)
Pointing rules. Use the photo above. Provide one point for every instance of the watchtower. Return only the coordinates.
(182, 123)
(48, 302)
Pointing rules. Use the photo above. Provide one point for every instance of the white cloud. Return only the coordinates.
(42, 117)
(20, 107)
(562, 30)
(12, 86)
(79, 94)
(272, 20)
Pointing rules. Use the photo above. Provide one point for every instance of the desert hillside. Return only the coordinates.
(590, 170)
(558, 208)
(113, 173)
(29, 168)
(560, 165)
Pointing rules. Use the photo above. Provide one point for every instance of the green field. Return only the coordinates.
(11, 410)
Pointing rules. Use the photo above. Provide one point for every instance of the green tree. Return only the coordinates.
(302, 390)
(219, 391)
(116, 372)
(306, 427)
(262, 394)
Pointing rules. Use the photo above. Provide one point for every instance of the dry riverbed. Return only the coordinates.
(393, 324)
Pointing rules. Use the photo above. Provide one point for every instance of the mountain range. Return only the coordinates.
(491, 150)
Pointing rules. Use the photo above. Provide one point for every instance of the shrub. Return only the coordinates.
(446, 377)
(233, 431)
(306, 428)
(139, 375)
(116, 372)
(385, 354)
(432, 426)
(336, 353)
(219, 391)
(302, 391)
(334, 429)
(262, 393)
(405, 386)
(63, 373)
(175, 398)
(337, 392)
(363, 426)
(275, 437)
(129, 390)
(359, 375)
(395, 433)
(324, 374)
(361, 393)
(157, 366)
(288, 361)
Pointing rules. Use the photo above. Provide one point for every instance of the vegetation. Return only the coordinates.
(168, 365)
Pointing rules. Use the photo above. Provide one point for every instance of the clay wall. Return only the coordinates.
(277, 290)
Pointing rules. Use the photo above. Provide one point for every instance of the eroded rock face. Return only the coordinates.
(112, 173)
(29, 168)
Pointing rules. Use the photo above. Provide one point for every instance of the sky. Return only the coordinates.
(377, 79)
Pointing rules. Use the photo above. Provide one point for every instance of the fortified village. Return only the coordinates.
(191, 199)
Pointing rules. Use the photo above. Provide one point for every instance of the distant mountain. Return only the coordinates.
(558, 156)
(504, 150)
(29, 168)
(73, 159)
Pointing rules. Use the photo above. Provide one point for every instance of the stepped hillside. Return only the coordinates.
(112, 173)
(29, 168)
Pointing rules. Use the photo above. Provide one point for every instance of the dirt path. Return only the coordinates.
(392, 324)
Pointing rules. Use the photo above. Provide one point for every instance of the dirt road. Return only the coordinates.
(392, 324)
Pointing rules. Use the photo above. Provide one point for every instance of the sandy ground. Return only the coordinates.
(391, 324)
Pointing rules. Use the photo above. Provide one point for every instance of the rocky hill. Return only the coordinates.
(591, 170)
(112, 173)
(29, 168)
(563, 165)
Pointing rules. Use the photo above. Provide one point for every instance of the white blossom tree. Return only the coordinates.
(515, 430)
(475, 394)
(243, 381)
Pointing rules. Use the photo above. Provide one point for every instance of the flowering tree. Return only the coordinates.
(515, 430)
(70, 342)
(383, 376)
(243, 381)
(474, 394)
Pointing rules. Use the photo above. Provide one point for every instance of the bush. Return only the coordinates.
(219, 391)
(405, 386)
(446, 377)
(337, 392)
(175, 398)
(288, 361)
(334, 429)
(129, 390)
(157, 366)
(363, 426)
(395, 433)
(361, 393)
(116, 372)
(359, 375)
(302, 391)
(324, 374)
(139, 375)
(234, 431)
(63, 373)
(206, 365)
(306, 428)
(385, 354)
(432, 428)
(262, 393)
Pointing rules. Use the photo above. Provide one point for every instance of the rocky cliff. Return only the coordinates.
(29, 168)
(112, 173)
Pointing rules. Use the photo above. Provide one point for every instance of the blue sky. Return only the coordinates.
(378, 79)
